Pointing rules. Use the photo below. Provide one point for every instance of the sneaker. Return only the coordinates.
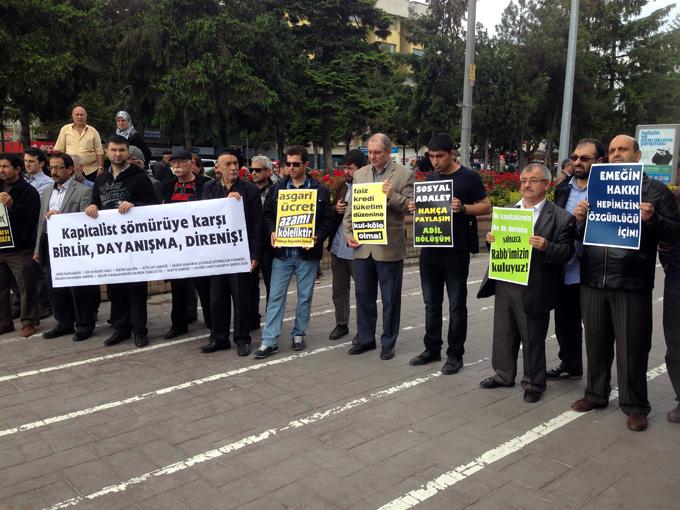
(266, 351)
(299, 343)
(562, 373)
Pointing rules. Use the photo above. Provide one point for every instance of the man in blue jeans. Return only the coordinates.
(303, 262)
(449, 266)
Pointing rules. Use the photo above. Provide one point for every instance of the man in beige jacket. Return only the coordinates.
(382, 265)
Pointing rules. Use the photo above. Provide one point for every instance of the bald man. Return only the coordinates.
(83, 140)
(616, 298)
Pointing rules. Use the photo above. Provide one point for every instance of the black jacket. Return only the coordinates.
(562, 191)
(323, 225)
(618, 268)
(557, 226)
(23, 215)
(131, 185)
(252, 209)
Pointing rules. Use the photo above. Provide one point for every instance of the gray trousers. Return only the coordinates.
(512, 326)
(671, 329)
(621, 318)
(342, 276)
(21, 265)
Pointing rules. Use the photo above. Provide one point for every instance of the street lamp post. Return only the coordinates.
(468, 82)
(565, 127)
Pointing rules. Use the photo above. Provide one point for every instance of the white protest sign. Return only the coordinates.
(156, 242)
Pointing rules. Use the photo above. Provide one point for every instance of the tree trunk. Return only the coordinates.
(327, 140)
(348, 142)
(25, 120)
(280, 142)
(188, 141)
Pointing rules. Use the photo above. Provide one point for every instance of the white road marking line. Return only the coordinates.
(460, 473)
(164, 391)
(249, 440)
(97, 359)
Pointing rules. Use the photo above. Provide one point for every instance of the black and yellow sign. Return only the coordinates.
(433, 220)
(6, 239)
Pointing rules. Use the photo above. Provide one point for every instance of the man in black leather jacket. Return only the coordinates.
(616, 298)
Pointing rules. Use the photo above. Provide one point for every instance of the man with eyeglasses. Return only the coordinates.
(616, 298)
(522, 312)
(226, 289)
(341, 253)
(568, 329)
(303, 262)
(74, 307)
(261, 172)
(381, 265)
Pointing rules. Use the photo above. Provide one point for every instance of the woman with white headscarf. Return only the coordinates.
(126, 129)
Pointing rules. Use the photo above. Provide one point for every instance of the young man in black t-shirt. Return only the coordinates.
(450, 266)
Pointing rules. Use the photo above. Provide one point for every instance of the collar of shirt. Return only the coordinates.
(377, 173)
(305, 185)
(64, 186)
(39, 175)
(572, 184)
(537, 208)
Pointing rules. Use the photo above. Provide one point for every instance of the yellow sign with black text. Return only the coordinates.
(295, 218)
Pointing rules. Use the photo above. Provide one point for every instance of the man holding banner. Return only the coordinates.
(522, 310)
(449, 263)
(617, 282)
(297, 216)
(379, 244)
(122, 187)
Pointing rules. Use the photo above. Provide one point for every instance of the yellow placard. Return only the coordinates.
(295, 218)
(369, 213)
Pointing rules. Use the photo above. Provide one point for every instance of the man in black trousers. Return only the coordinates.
(123, 186)
(522, 313)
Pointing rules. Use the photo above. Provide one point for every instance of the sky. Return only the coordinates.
(489, 11)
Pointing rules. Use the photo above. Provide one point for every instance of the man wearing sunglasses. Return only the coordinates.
(568, 307)
(616, 297)
(261, 172)
(303, 262)
(381, 265)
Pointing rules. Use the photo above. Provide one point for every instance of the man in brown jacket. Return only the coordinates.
(382, 265)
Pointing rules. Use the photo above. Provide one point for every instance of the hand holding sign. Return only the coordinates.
(538, 242)
(581, 211)
(387, 188)
(646, 211)
(456, 205)
(6, 199)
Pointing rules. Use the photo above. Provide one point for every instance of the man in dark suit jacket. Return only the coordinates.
(522, 313)
(74, 307)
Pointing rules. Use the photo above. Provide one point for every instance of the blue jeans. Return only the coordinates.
(438, 269)
(368, 275)
(282, 272)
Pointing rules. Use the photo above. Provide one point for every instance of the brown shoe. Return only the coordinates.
(585, 404)
(674, 415)
(27, 330)
(637, 422)
(6, 327)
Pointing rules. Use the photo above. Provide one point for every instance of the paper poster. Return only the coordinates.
(369, 213)
(657, 145)
(614, 195)
(433, 220)
(511, 252)
(6, 239)
(295, 218)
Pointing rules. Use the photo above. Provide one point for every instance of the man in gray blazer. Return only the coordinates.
(522, 313)
(74, 307)
(382, 265)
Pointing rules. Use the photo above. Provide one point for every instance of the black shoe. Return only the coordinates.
(141, 340)
(57, 331)
(339, 332)
(79, 336)
(299, 343)
(175, 332)
(425, 357)
(562, 373)
(387, 353)
(213, 346)
(243, 349)
(361, 348)
(532, 396)
(265, 352)
(490, 383)
(116, 338)
(452, 365)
